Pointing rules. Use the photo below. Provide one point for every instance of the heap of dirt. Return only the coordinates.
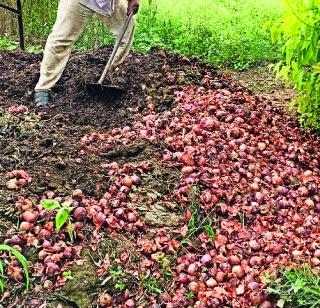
(141, 75)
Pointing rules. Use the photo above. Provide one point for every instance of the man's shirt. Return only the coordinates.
(104, 7)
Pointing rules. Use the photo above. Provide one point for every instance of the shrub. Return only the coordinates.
(298, 30)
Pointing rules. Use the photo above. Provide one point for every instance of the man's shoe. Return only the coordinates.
(41, 98)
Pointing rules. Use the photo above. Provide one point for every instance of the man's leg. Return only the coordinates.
(71, 20)
(115, 23)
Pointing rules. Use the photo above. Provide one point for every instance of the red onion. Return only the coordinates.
(220, 276)
(48, 285)
(183, 278)
(234, 260)
(255, 260)
(193, 287)
(254, 187)
(127, 181)
(276, 249)
(266, 304)
(253, 285)
(44, 233)
(52, 269)
(136, 180)
(309, 203)
(256, 298)
(206, 259)
(80, 213)
(42, 254)
(303, 191)
(130, 303)
(132, 217)
(99, 219)
(259, 197)
(225, 267)
(281, 190)
(119, 213)
(315, 262)
(238, 271)
(254, 245)
(187, 170)
(192, 269)
(317, 253)
(283, 204)
(25, 226)
(77, 193)
(29, 216)
(35, 303)
(298, 219)
(15, 240)
(211, 283)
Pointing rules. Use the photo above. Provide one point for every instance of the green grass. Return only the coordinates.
(226, 33)
(296, 287)
(199, 221)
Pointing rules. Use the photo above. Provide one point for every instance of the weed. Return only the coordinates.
(7, 44)
(68, 275)
(62, 215)
(297, 287)
(120, 286)
(189, 295)
(21, 259)
(116, 273)
(199, 222)
(151, 284)
(164, 264)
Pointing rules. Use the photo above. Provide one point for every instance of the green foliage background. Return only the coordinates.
(298, 31)
(226, 33)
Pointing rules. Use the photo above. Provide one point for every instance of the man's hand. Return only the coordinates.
(133, 5)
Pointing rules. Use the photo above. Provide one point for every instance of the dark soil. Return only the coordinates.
(140, 75)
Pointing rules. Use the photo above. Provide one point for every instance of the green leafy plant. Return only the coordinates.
(120, 286)
(298, 32)
(189, 295)
(21, 259)
(8, 44)
(62, 217)
(164, 264)
(296, 287)
(151, 284)
(116, 272)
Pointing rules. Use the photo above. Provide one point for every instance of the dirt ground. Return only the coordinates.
(261, 80)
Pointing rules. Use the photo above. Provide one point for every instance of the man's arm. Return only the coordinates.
(133, 5)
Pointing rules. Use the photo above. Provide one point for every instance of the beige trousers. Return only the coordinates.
(71, 20)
